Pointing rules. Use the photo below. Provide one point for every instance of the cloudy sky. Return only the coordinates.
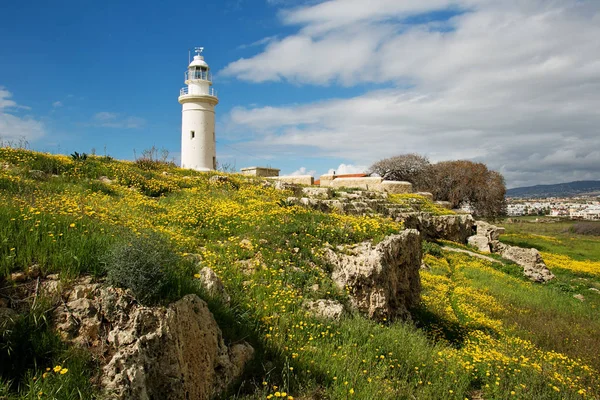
(319, 85)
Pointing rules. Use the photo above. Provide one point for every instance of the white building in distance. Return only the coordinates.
(198, 100)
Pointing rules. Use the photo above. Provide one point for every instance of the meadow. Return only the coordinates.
(481, 331)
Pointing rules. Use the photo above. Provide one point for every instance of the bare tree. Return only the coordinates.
(413, 168)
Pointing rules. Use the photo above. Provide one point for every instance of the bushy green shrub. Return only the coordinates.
(431, 248)
(145, 264)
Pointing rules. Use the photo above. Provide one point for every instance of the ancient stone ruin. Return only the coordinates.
(486, 240)
(382, 280)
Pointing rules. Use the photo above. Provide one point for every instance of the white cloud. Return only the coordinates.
(345, 169)
(15, 128)
(259, 43)
(513, 84)
(303, 171)
(57, 104)
(114, 120)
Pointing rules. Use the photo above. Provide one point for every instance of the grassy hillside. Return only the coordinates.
(557, 190)
(479, 332)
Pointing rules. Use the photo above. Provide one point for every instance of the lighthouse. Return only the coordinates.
(198, 101)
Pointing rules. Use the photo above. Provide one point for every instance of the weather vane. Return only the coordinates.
(199, 50)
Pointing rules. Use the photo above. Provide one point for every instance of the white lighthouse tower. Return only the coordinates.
(198, 99)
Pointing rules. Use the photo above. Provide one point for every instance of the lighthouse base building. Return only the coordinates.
(198, 100)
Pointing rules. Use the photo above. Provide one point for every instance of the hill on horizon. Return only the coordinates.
(568, 189)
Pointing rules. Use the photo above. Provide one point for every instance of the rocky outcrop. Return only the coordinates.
(174, 352)
(382, 280)
(327, 309)
(456, 227)
(213, 285)
(530, 259)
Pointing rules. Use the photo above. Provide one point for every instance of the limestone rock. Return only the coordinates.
(485, 234)
(218, 179)
(530, 259)
(51, 287)
(328, 309)
(383, 280)
(18, 277)
(579, 297)
(396, 187)
(34, 271)
(492, 232)
(317, 192)
(222, 179)
(105, 180)
(280, 185)
(213, 284)
(37, 174)
(174, 352)
(480, 242)
(456, 228)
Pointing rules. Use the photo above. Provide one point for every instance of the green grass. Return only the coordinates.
(552, 237)
(30, 349)
(269, 256)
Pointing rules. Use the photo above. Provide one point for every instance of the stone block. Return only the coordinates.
(396, 187)
(260, 171)
(480, 242)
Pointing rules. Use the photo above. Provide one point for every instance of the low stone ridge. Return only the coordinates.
(353, 203)
(383, 280)
(174, 352)
(456, 228)
(369, 183)
(530, 259)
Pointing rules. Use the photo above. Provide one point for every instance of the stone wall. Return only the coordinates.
(306, 180)
(367, 183)
(260, 171)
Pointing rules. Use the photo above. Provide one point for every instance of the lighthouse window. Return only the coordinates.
(192, 134)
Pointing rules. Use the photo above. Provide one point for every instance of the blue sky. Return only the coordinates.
(317, 85)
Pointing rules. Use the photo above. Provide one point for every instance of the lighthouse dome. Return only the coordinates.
(198, 61)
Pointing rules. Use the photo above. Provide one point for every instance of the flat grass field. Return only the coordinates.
(481, 331)
(554, 237)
